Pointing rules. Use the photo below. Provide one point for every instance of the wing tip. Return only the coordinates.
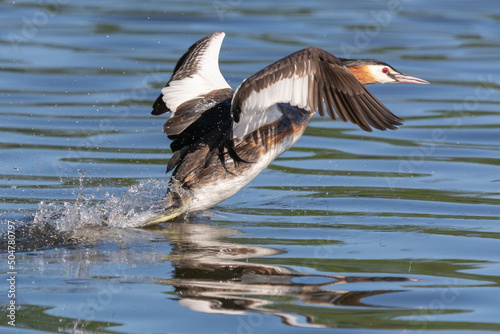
(159, 106)
(393, 124)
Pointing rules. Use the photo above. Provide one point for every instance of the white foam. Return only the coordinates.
(141, 202)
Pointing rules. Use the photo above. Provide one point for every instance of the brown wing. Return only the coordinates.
(311, 79)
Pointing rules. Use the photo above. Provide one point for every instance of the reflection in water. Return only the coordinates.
(210, 274)
(213, 275)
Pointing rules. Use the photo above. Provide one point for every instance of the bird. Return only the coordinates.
(223, 138)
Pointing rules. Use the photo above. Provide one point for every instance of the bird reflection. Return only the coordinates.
(214, 275)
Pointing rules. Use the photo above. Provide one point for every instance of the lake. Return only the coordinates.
(347, 232)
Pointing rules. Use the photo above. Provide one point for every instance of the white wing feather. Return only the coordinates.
(206, 78)
(260, 107)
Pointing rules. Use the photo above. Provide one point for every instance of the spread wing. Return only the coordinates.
(199, 99)
(195, 86)
(311, 79)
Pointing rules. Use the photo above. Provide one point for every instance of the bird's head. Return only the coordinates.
(371, 71)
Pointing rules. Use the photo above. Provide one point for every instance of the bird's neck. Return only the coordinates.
(362, 73)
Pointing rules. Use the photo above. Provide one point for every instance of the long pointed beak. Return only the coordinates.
(403, 78)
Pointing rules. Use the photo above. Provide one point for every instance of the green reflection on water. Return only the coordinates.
(386, 319)
(36, 318)
(451, 268)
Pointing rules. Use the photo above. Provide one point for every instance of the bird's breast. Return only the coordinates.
(259, 149)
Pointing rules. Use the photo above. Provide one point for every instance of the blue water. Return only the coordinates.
(352, 232)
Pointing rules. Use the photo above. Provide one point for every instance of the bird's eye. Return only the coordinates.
(385, 70)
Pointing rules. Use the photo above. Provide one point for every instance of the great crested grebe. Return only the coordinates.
(222, 139)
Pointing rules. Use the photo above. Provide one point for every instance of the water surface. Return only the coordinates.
(381, 232)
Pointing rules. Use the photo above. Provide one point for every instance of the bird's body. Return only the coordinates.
(222, 139)
(212, 181)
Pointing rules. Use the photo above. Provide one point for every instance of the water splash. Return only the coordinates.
(139, 203)
(59, 223)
